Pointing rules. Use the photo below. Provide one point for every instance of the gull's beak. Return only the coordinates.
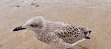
(18, 28)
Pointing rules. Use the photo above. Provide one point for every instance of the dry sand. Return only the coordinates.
(94, 14)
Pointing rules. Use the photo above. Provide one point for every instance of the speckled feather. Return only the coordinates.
(58, 34)
(61, 34)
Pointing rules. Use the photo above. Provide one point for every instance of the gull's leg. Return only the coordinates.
(69, 48)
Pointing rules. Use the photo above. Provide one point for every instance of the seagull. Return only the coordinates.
(58, 34)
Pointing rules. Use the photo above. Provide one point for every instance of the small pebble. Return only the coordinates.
(18, 6)
(37, 5)
(20, 36)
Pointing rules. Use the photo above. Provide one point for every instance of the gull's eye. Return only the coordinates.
(33, 25)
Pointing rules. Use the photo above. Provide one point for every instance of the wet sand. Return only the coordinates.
(96, 15)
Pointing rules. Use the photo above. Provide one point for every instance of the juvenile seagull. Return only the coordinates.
(58, 34)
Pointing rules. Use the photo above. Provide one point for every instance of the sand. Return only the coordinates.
(94, 14)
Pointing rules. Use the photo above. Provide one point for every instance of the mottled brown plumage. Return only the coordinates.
(58, 34)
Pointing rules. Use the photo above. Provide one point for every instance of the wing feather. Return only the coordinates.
(70, 34)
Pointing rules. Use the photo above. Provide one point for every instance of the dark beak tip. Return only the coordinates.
(15, 29)
(18, 28)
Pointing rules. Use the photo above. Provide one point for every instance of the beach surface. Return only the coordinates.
(94, 14)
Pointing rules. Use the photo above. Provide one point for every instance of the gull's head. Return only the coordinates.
(33, 24)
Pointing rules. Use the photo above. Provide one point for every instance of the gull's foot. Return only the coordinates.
(69, 48)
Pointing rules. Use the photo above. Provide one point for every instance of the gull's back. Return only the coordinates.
(61, 34)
